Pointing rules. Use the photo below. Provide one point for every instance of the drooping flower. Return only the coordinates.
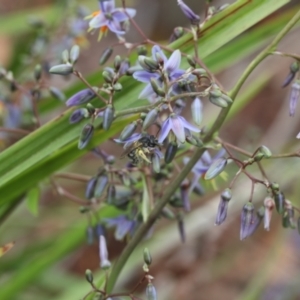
(294, 97)
(103, 253)
(109, 18)
(123, 226)
(201, 167)
(195, 19)
(176, 124)
(170, 67)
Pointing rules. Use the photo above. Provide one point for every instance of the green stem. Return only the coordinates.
(142, 231)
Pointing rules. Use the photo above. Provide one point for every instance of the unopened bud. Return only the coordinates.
(279, 202)
(117, 63)
(147, 257)
(128, 131)
(57, 93)
(105, 56)
(150, 118)
(65, 56)
(64, 69)
(85, 136)
(215, 168)
(89, 276)
(100, 186)
(141, 50)
(90, 188)
(156, 88)
(38, 72)
(197, 111)
(108, 117)
(269, 206)
(170, 152)
(74, 54)
(108, 76)
(151, 292)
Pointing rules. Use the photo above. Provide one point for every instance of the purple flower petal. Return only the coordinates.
(173, 62)
(98, 21)
(146, 92)
(144, 76)
(123, 228)
(166, 127)
(195, 19)
(107, 6)
(115, 27)
(186, 124)
(131, 12)
(121, 16)
(156, 49)
(176, 73)
(178, 128)
(206, 158)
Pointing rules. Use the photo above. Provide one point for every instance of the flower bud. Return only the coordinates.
(156, 88)
(151, 292)
(74, 54)
(108, 76)
(265, 151)
(223, 205)
(147, 63)
(155, 159)
(108, 117)
(125, 65)
(294, 67)
(218, 101)
(133, 69)
(38, 72)
(215, 168)
(178, 32)
(84, 209)
(81, 97)
(176, 201)
(65, 56)
(117, 87)
(288, 79)
(89, 276)
(78, 115)
(279, 202)
(128, 131)
(141, 50)
(170, 152)
(258, 156)
(227, 98)
(117, 62)
(85, 136)
(249, 221)
(199, 72)
(290, 213)
(150, 118)
(111, 194)
(105, 56)
(63, 69)
(57, 93)
(147, 257)
(100, 186)
(197, 111)
(194, 19)
(90, 188)
(269, 205)
(167, 213)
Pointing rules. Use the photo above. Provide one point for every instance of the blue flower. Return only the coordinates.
(123, 226)
(202, 166)
(170, 66)
(130, 140)
(195, 19)
(177, 124)
(109, 18)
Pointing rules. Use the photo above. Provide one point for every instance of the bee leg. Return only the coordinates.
(143, 156)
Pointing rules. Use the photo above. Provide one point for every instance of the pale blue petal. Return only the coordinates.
(186, 124)
(173, 62)
(108, 6)
(98, 21)
(121, 16)
(115, 27)
(206, 158)
(178, 128)
(144, 76)
(176, 74)
(122, 229)
(166, 127)
(146, 92)
(156, 49)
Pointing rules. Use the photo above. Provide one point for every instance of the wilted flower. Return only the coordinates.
(176, 124)
(294, 97)
(109, 17)
(103, 253)
(269, 206)
(201, 167)
(123, 226)
(195, 19)
(222, 208)
(171, 66)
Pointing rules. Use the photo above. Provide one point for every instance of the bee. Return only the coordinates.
(139, 150)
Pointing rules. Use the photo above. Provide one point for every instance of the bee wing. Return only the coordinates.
(131, 147)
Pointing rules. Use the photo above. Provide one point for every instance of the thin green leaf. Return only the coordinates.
(32, 200)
